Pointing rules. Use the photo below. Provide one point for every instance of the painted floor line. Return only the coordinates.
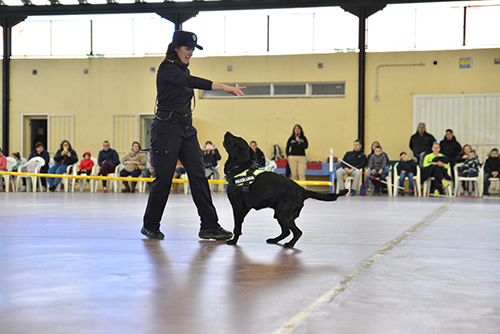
(341, 286)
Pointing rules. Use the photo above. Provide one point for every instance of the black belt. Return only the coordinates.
(172, 116)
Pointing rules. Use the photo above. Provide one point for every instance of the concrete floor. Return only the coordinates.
(76, 263)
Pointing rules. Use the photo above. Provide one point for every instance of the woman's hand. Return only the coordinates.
(63, 152)
(228, 89)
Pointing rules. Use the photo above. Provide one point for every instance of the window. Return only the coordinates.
(282, 90)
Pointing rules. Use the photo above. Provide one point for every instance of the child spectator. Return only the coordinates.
(407, 168)
(491, 170)
(378, 167)
(86, 165)
(17, 157)
(470, 169)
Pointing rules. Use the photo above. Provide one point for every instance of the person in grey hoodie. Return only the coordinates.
(378, 167)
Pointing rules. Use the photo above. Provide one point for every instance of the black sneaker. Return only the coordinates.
(53, 188)
(217, 233)
(152, 235)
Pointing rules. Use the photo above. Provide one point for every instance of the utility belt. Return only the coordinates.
(172, 116)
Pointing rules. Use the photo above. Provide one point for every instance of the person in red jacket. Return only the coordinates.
(86, 164)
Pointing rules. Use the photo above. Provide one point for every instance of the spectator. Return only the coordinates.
(463, 155)
(450, 147)
(3, 162)
(149, 171)
(108, 160)
(421, 143)
(491, 170)
(355, 158)
(179, 170)
(261, 159)
(211, 156)
(407, 168)
(40, 151)
(436, 165)
(17, 157)
(470, 169)
(378, 167)
(64, 157)
(374, 144)
(296, 153)
(86, 165)
(135, 162)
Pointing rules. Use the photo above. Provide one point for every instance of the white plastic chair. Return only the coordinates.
(416, 181)
(214, 176)
(187, 189)
(8, 179)
(30, 180)
(348, 182)
(95, 171)
(71, 170)
(115, 185)
(141, 185)
(427, 185)
(478, 179)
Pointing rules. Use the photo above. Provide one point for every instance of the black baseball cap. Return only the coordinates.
(186, 38)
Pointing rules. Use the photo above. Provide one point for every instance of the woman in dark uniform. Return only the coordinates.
(174, 137)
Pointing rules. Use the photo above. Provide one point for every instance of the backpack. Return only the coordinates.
(276, 153)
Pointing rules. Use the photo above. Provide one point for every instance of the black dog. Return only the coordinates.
(247, 190)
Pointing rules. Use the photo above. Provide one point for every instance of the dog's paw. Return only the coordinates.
(231, 242)
(343, 192)
(271, 241)
(288, 245)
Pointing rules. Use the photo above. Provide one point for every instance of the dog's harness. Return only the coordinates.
(244, 180)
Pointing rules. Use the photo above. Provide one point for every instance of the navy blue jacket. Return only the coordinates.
(45, 155)
(110, 156)
(174, 85)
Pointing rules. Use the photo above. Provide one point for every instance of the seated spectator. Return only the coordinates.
(261, 159)
(407, 168)
(179, 170)
(357, 159)
(491, 170)
(421, 143)
(3, 162)
(17, 157)
(463, 155)
(436, 165)
(211, 157)
(378, 167)
(135, 162)
(108, 160)
(374, 144)
(86, 165)
(450, 147)
(149, 171)
(64, 157)
(40, 151)
(470, 169)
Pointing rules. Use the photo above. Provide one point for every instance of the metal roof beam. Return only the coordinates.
(186, 7)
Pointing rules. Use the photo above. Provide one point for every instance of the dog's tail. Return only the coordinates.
(325, 197)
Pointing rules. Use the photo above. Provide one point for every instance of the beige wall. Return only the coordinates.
(125, 86)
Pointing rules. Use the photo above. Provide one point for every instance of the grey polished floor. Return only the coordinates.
(76, 263)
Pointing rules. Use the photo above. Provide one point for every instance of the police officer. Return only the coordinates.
(174, 137)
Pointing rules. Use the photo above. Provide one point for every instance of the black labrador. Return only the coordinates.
(248, 191)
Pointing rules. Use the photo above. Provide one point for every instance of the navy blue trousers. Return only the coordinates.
(171, 140)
